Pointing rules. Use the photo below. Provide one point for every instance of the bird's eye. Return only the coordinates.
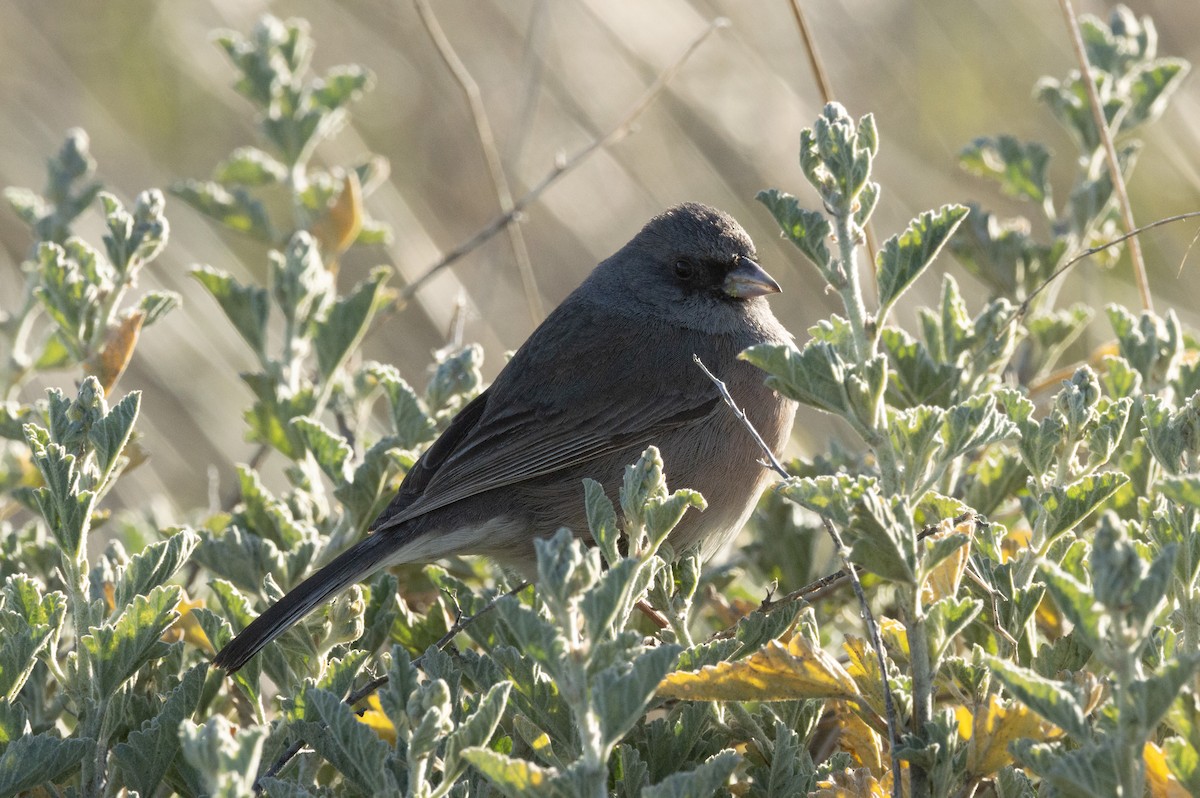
(684, 269)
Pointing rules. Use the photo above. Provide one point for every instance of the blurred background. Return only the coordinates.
(154, 93)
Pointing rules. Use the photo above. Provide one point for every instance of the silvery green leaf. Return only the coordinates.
(1019, 167)
(602, 520)
(1151, 87)
(31, 761)
(814, 375)
(147, 752)
(642, 482)
(330, 450)
(607, 604)
(154, 565)
(810, 231)
(109, 435)
(974, 423)
(476, 729)
(883, 539)
(341, 331)
(903, 258)
(247, 307)
(1078, 603)
(700, 782)
(1119, 378)
(916, 435)
(243, 558)
(333, 730)
(431, 718)
(517, 778)
(829, 495)
(1064, 507)
(865, 386)
(228, 763)
(382, 611)
(250, 166)
(1109, 429)
(370, 487)
(457, 380)
(916, 378)
(1048, 698)
(115, 651)
(621, 694)
(235, 208)
(1153, 696)
(412, 425)
(947, 618)
(300, 283)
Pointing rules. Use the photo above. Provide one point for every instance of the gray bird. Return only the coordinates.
(607, 374)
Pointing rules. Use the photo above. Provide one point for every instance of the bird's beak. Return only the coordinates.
(748, 280)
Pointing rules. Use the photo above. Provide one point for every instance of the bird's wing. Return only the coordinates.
(532, 423)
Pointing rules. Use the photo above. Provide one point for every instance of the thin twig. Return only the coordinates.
(772, 462)
(487, 141)
(825, 86)
(461, 622)
(564, 166)
(877, 644)
(1110, 152)
(1087, 253)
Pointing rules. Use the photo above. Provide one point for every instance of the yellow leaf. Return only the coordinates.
(336, 230)
(774, 673)
(859, 739)
(187, 628)
(895, 636)
(864, 670)
(1160, 781)
(946, 576)
(991, 729)
(860, 783)
(109, 363)
(375, 719)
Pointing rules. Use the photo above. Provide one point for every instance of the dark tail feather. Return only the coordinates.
(349, 567)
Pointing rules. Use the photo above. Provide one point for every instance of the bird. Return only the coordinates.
(608, 373)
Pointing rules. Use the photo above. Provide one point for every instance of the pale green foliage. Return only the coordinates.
(553, 690)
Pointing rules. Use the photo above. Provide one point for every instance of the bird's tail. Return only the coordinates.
(349, 567)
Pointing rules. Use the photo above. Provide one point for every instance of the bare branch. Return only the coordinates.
(564, 166)
(487, 141)
(1110, 152)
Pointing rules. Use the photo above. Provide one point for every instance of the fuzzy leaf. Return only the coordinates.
(815, 375)
(904, 257)
(35, 760)
(331, 728)
(111, 654)
(700, 782)
(808, 230)
(1066, 506)
(247, 307)
(343, 329)
(154, 565)
(1045, 697)
(1019, 168)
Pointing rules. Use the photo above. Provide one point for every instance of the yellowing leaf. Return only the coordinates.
(337, 229)
(774, 673)
(860, 783)
(1160, 781)
(943, 580)
(1015, 542)
(895, 636)
(864, 670)
(109, 363)
(375, 719)
(187, 628)
(858, 739)
(991, 729)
